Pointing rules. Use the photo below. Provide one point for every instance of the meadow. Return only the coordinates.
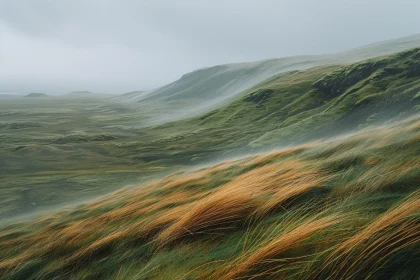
(346, 208)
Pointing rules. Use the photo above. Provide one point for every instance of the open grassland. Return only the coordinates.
(58, 150)
(348, 208)
(62, 150)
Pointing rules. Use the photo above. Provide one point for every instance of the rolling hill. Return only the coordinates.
(207, 88)
(298, 106)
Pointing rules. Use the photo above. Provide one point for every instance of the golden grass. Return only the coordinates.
(371, 246)
(96, 247)
(288, 185)
(234, 201)
(271, 250)
(218, 212)
(380, 176)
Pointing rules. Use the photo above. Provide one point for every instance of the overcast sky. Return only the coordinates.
(56, 46)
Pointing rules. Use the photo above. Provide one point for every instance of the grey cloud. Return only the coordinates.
(117, 46)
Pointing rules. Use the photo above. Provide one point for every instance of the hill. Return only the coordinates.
(36, 94)
(295, 107)
(346, 208)
(208, 88)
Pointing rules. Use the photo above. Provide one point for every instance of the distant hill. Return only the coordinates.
(85, 94)
(36, 94)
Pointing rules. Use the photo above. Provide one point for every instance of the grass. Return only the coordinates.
(344, 208)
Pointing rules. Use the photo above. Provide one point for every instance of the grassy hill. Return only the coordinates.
(347, 208)
(209, 88)
(63, 150)
(302, 105)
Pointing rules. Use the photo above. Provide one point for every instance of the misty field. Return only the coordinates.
(347, 208)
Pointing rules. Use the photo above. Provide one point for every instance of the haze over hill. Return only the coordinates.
(204, 89)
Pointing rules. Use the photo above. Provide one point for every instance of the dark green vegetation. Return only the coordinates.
(209, 88)
(342, 209)
(66, 149)
(299, 106)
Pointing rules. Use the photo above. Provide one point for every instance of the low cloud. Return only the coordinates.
(119, 46)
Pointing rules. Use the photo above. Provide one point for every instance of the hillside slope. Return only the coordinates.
(299, 106)
(207, 88)
(346, 208)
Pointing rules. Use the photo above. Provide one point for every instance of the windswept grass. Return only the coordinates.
(369, 251)
(269, 252)
(348, 208)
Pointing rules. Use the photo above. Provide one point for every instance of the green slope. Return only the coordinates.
(302, 105)
(208, 88)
